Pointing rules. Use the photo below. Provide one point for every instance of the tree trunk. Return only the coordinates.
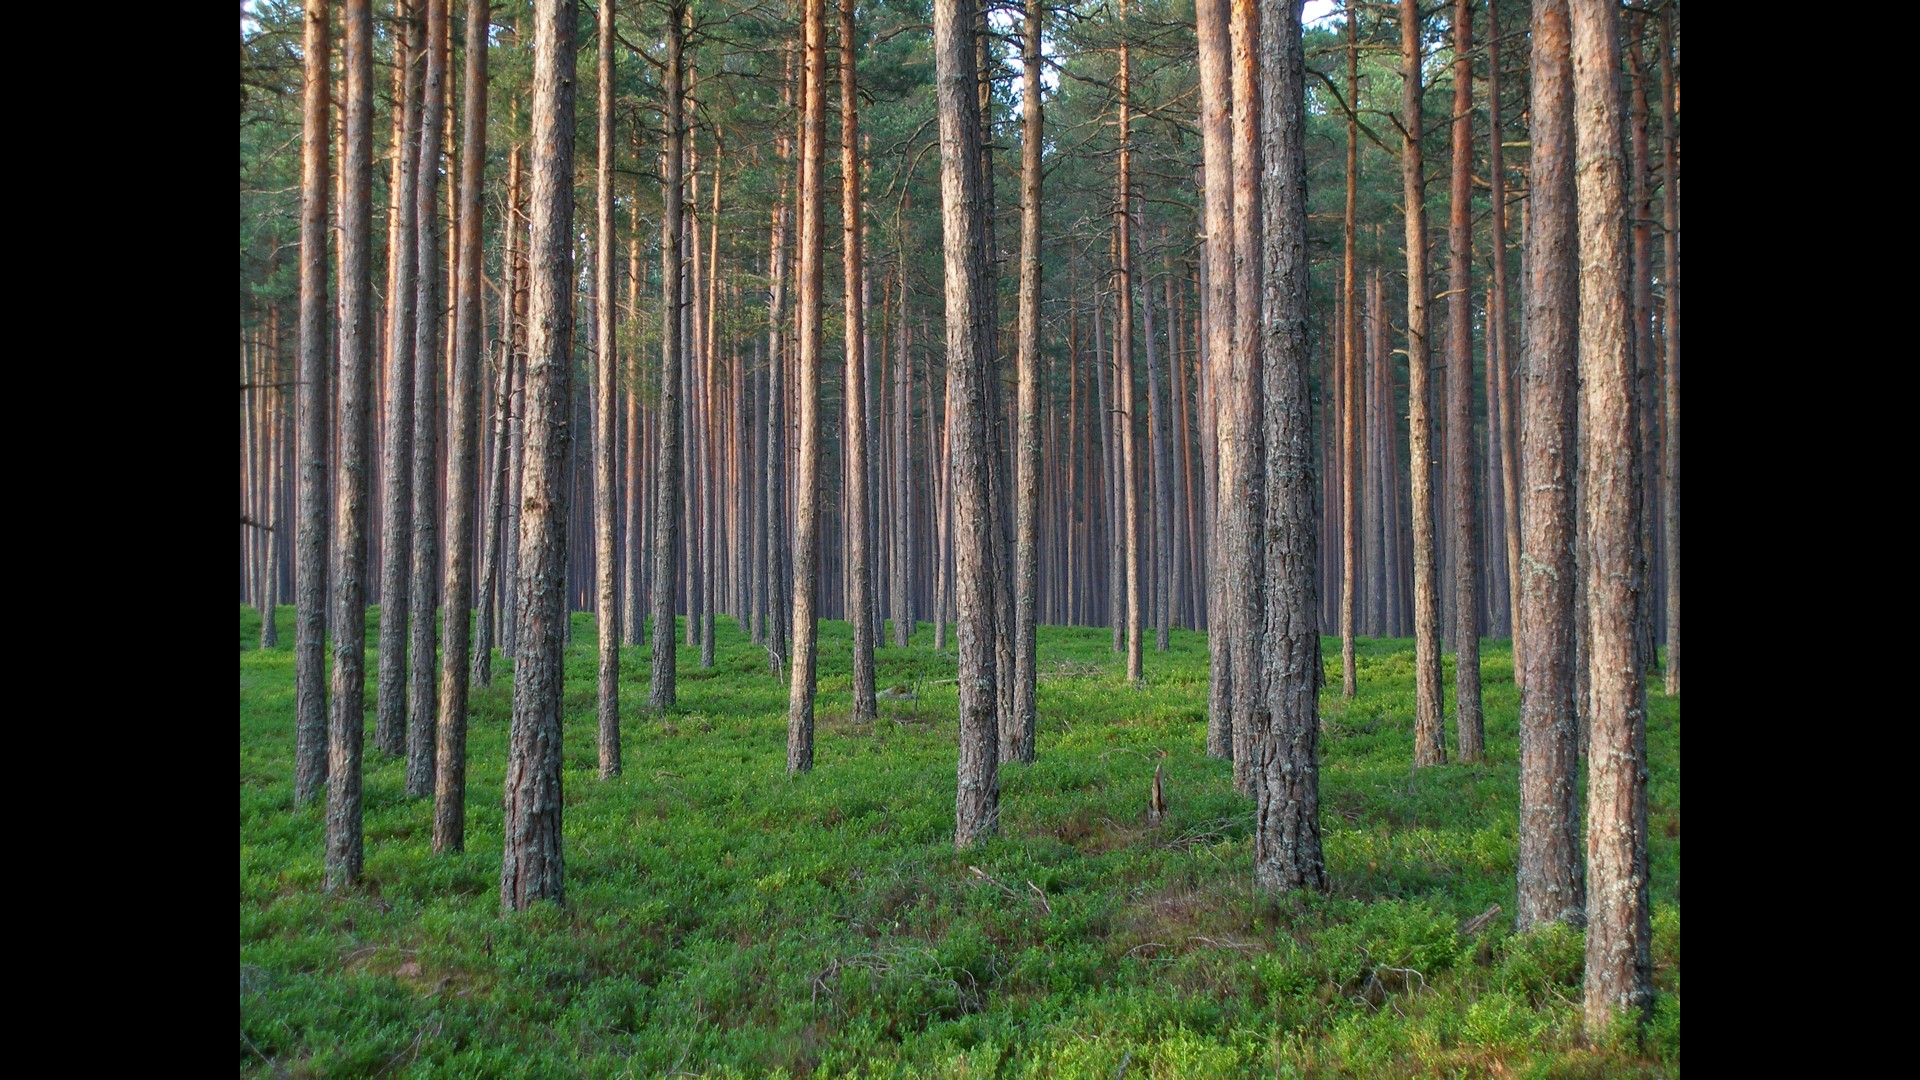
(666, 531)
(396, 533)
(1429, 740)
(606, 577)
(310, 555)
(969, 350)
(1350, 383)
(860, 604)
(1026, 573)
(1670, 209)
(1243, 454)
(1549, 827)
(779, 597)
(1210, 18)
(1463, 526)
(424, 581)
(345, 854)
(633, 614)
(1619, 969)
(903, 606)
(806, 540)
(1502, 352)
(1286, 843)
(450, 766)
(531, 866)
(1123, 362)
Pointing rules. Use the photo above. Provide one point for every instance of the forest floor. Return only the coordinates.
(724, 919)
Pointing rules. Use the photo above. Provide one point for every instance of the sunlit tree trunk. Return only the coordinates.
(806, 538)
(1350, 382)
(666, 530)
(860, 604)
(606, 577)
(1460, 479)
(1243, 454)
(1217, 310)
(1026, 572)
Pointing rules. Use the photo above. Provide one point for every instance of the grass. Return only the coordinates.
(724, 919)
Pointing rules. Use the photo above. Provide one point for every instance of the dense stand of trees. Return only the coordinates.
(1239, 201)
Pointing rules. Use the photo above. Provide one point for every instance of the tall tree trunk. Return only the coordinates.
(345, 855)
(424, 581)
(1026, 573)
(1210, 17)
(666, 532)
(450, 766)
(969, 352)
(779, 594)
(1549, 827)
(1466, 554)
(860, 604)
(903, 606)
(633, 612)
(1640, 214)
(1157, 465)
(806, 540)
(531, 866)
(310, 554)
(1429, 740)
(1243, 453)
(606, 577)
(1619, 969)
(1350, 381)
(1286, 843)
(1123, 362)
(396, 533)
(1501, 351)
(1670, 210)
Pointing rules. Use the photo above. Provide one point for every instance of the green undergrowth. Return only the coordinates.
(724, 919)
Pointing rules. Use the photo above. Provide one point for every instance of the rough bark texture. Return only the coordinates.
(1242, 453)
(1286, 843)
(779, 584)
(666, 490)
(347, 724)
(1026, 572)
(806, 535)
(903, 559)
(977, 799)
(423, 582)
(1549, 827)
(1350, 383)
(396, 534)
(633, 611)
(1429, 740)
(1619, 970)
(1464, 532)
(1217, 149)
(531, 866)
(860, 605)
(1670, 210)
(450, 765)
(606, 570)
(310, 544)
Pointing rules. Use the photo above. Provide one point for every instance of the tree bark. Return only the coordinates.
(1464, 524)
(1123, 363)
(860, 605)
(969, 352)
(1619, 970)
(1350, 383)
(1026, 573)
(423, 582)
(532, 867)
(396, 533)
(1502, 352)
(310, 554)
(345, 855)
(606, 576)
(1286, 842)
(666, 531)
(806, 540)
(1670, 210)
(1549, 827)
(1429, 740)
(1243, 453)
(1211, 19)
(450, 766)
